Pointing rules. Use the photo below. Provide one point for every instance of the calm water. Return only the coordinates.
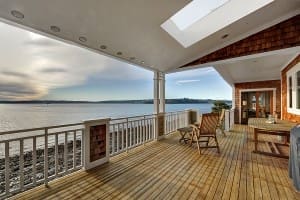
(22, 116)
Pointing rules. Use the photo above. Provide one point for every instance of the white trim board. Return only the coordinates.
(292, 73)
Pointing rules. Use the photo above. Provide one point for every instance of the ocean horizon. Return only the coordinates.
(24, 116)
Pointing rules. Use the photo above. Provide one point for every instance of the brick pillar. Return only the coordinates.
(192, 116)
(96, 143)
(161, 125)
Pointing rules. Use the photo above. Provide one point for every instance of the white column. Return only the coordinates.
(156, 92)
(233, 96)
(232, 111)
(159, 92)
(156, 103)
(159, 103)
(162, 95)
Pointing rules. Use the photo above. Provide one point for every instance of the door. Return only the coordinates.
(264, 103)
(256, 104)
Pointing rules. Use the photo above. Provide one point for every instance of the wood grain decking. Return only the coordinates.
(169, 170)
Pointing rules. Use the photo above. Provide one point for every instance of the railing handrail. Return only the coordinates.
(39, 129)
(181, 111)
(39, 135)
(131, 117)
(77, 124)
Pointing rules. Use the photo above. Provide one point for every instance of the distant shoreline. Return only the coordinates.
(144, 101)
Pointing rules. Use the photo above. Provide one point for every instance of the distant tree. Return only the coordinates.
(218, 106)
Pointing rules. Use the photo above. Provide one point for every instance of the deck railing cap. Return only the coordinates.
(96, 120)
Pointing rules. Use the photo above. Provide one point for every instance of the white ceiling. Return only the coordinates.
(133, 27)
(265, 67)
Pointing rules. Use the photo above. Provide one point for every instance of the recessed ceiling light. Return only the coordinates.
(119, 53)
(225, 36)
(17, 14)
(132, 58)
(103, 47)
(82, 39)
(55, 29)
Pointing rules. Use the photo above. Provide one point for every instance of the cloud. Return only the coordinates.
(20, 91)
(32, 64)
(42, 42)
(180, 82)
(53, 70)
(192, 74)
(14, 74)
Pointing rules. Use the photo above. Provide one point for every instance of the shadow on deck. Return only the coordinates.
(169, 170)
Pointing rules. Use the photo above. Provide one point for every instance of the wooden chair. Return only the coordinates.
(207, 130)
(220, 125)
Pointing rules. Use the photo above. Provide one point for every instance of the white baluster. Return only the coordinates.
(56, 155)
(74, 150)
(46, 157)
(126, 133)
(21, 164)
(66, 152)
(34, 160)
(118, 137)
(131, 135)
(113, 139)
(122, 136)
(82, 146)
(7, 168)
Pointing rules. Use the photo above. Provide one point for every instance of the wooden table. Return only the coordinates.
(183, 131)
(280, 128)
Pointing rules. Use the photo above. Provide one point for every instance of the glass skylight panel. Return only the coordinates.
(202, 18)
(195, 11)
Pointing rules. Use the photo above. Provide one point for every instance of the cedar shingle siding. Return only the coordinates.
(280, 36)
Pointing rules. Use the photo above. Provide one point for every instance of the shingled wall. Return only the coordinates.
(280, 36)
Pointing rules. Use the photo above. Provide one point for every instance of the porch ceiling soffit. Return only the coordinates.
(132, 27)
(252, 69)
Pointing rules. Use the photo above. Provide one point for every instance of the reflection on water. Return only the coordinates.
(22, 116)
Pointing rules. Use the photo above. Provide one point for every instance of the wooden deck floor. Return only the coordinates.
(168, 170)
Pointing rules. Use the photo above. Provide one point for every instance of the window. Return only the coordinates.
(293, 89)
(202, 18)
(290, 92)
(195, 11)
(298, 90)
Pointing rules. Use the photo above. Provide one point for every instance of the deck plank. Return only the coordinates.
(199, 189)
(169, 170)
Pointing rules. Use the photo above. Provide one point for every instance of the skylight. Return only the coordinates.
(195, 11)
(201, 18)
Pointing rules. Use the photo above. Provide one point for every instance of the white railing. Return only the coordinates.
(175, 120)
(229, 119)
(127, 133)
(35, 156)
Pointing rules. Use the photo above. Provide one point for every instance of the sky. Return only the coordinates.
(34, 67)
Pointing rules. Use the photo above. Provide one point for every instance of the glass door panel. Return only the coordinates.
(261, 104)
